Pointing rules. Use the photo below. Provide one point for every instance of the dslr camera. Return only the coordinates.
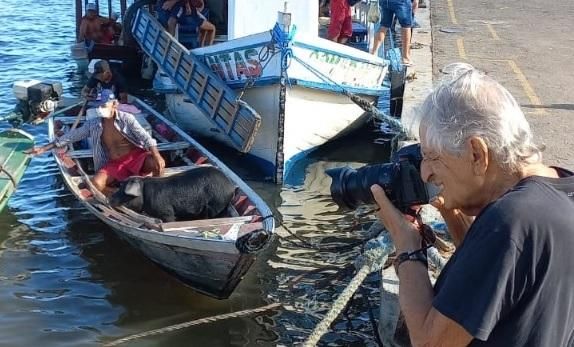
(400, 179)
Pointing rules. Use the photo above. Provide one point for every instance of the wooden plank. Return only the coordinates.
(234, 117)
(217, 102)
(203, 83)
(189, 75)
(155, 42)
(166, 51)
(177, 60)
(173, 226)
(87, 153)
(214, 98)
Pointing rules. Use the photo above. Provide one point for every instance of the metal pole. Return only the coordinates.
(109, 8)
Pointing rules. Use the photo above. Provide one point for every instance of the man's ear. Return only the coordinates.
(134, 187)
(480, 155)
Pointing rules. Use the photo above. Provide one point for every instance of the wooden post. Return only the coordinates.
(98, 6)
(123, 6)
(78, 17)
(109, 8)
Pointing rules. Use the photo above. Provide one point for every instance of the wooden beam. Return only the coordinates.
(79, 13)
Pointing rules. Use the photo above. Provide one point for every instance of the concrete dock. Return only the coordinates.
(527, 45)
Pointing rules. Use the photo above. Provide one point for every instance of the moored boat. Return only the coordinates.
(295, 82)
(13, 161)
(211, 256)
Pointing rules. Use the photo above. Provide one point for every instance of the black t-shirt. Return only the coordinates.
(116, 84)
(511, 282)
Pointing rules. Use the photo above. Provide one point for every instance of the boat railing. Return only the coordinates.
(218, 102)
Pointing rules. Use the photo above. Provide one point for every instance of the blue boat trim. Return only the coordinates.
(344, 55)
(330, 87)
(231, 50)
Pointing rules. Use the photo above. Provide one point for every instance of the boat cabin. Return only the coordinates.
(232, 19)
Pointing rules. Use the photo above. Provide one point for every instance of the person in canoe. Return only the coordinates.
(120, 145)
(104, 78)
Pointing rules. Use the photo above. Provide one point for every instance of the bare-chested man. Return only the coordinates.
(91, 25)
(121, 147)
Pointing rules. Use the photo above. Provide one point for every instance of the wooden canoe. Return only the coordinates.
(13, 161)
(211, 256)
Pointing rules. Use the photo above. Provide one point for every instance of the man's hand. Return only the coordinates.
(159, 165)
(456, 221)
(405, 235)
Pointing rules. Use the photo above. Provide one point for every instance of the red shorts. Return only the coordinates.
(130, 164)
(341, 22)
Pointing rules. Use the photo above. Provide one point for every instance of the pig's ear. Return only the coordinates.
(133, 188)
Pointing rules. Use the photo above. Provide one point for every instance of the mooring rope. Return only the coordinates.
(193, 323)
(375, 256)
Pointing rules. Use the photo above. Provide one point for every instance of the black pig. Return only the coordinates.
(200, 193)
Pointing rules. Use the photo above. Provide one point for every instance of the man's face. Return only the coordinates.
(106, 110)
(454, 175)
(107, 75)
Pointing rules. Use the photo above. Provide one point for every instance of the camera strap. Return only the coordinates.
(428, 235)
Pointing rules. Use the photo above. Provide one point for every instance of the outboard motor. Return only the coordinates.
(36, 98)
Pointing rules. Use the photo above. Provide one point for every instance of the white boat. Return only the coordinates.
(294, 81)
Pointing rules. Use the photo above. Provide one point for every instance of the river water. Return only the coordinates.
(67, 280)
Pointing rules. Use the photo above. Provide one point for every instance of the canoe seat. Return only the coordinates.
(169, 171)
(171, 146)
(174, 226)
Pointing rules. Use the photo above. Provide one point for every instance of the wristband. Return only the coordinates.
(418, 255)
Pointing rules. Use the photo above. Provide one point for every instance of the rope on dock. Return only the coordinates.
(375, 256)
(193, 323)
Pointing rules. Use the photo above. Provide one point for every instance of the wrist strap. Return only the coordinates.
(418, 255)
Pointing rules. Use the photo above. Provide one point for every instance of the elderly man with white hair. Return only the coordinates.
(511, 280)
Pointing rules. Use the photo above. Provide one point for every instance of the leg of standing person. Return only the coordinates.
(386, 22)
(415, 4)
(404, 12)
(337, 18)
(347, 27)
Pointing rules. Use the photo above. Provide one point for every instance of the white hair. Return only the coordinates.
(469, 103)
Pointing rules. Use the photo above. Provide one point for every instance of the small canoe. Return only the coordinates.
(13, 161)
(211, 256)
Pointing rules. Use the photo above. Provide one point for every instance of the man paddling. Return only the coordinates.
(120, 146)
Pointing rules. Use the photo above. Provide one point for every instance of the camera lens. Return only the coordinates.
(351, 188)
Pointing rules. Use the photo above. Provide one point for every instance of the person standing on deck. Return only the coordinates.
(91, 26)
(120, 145)
(403, 10)
(168, 12)
(341, 25)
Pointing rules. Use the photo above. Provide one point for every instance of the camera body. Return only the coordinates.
(400, 179)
